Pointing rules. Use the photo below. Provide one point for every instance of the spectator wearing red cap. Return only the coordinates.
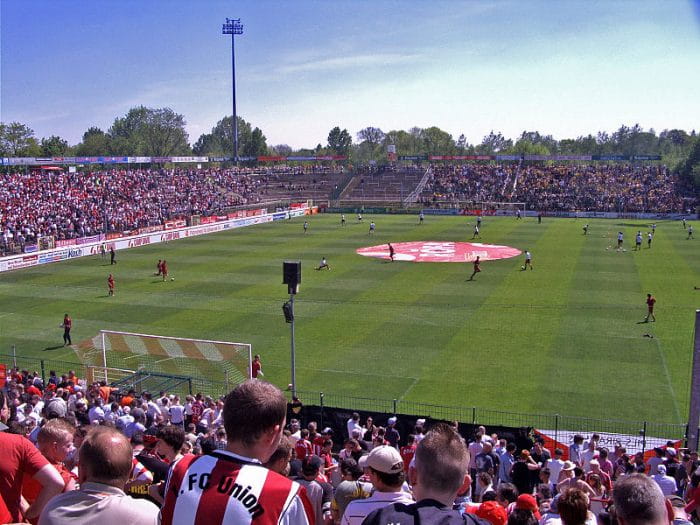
(489, 510)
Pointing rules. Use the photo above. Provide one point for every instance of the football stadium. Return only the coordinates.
(215, 311)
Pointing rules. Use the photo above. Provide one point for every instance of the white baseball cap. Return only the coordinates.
(384, 459)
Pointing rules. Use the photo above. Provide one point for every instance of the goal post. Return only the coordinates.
(220, 364)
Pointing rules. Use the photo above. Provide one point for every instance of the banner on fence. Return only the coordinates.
(563, 439)
(3, 375)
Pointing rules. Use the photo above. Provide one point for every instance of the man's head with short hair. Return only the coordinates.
(572, 506)
(506, 494)
(55, 439)
(441, 460)
(105, 457)
(349, 467)
(279, 460)
(252, 410)
(170, 440)
(639, 501)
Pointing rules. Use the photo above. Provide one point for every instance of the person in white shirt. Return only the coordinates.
(177, 413)
(96, 414)
(385, 470)
(666, 483)
(590, 453)
(353, 423)
(555, 465)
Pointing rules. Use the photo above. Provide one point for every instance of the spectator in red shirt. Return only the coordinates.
(20, 458)
(54, 441)
(408, 451)
(256, 367)
(303, 446)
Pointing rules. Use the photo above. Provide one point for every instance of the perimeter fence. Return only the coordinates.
(327, 405)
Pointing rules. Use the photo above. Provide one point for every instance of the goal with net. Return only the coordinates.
(213, 366)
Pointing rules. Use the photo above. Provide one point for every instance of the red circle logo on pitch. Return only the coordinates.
(434, 251)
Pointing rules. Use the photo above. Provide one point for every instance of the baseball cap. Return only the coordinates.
(568, 465)
(384, 459)
(55, 408)
(392, 420)
(661, 469)
(327, 430)
(490, 511)
(528, 502)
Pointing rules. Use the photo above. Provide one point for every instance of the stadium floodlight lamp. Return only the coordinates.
(232, 26)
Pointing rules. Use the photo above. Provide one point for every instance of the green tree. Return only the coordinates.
(494, 143)
(17, 140)
(54, 146)
(690, 170)
(283, 150)
(462, 144)
(437, 141)
(525, 147)
(146, 131)
(406, 143)
(372, 135)
(95, 143)
(251, 141)
(339, 141)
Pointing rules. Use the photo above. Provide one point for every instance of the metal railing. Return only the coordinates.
(555, 423)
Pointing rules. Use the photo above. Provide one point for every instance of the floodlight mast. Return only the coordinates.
(233, 27)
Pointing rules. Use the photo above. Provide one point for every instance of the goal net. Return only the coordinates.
(213, 367)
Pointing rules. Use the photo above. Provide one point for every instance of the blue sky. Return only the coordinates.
(302, 67)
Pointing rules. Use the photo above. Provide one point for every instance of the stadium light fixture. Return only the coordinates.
(233, 27)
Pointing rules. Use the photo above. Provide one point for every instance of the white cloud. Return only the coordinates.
(346, 62)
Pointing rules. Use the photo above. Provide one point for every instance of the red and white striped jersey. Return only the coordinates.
(225, 489)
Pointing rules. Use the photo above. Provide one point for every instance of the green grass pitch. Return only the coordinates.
(563, 338)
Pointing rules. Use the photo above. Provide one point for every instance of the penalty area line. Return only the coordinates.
(668, 380)
(163, 360)
(415, 382)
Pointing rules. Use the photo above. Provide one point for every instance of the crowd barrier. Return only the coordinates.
(335, 409)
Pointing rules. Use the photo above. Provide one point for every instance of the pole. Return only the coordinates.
(104, 354)
(233, 88)
(294, 371)
(694, 411)
(14, 356)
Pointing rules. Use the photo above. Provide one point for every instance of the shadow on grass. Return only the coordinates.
(49, 348)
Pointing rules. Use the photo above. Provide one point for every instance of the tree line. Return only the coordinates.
(160, 132)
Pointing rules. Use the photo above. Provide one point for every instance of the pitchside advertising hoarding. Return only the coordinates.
(81, 248)
(33, 161)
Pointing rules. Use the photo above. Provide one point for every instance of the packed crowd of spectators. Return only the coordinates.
(67, 205)
(468, 182)
(563, 187)
(92, 453)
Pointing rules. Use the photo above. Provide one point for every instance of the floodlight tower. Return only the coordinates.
(233, 27)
